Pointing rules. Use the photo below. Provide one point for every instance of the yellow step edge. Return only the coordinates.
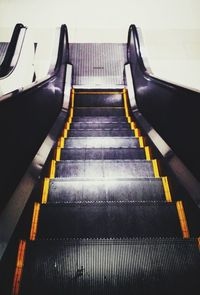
(129, 119)
(19, 267)
(141, 141)
(155, 168)
(166, 189)
(198, 241)
(133, 125)
(61, 142)
(70, 120)
(72, 98)
(71, 115)
(127, 114)
(147, 153)
(100, 92)
(45, 190)
(137, 132)
(34, 221)
(183, 220)
(52, 169)
(65, 133)
(58, 154)
(67, 125)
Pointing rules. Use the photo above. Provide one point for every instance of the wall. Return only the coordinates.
(170, 29)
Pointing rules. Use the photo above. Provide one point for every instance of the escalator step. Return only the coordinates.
(100, 119)
(135, 189)
(104, 168)
(98, 100)
(100, 133)
(109, 220)
(102, 142)
(100, 154)
(111, 266)
(103, 125)
(102, 111)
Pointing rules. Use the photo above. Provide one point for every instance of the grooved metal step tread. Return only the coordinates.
(104, 168)
(102, 154)
(101, 142)
(134, 189)
(109, 220)
(103, 111)
(98, 100)
(100, 133)
(100, 119)
(104, 126)
(111, 266)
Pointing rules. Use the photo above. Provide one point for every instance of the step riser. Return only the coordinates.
(98, 100)
(117, 190)
(102, 126)
(104, 169)
(102, 119)
(100, 133)
(99, 112)
(102, 154)
(101, 142)
(109, 221)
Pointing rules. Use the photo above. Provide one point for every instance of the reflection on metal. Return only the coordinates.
(68, 84)
(130, 87)
(3, 49)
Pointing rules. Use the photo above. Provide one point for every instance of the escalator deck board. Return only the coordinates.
(126, 266)
(143, 189)
(104, 168)
(102, 142)
(109, 220)
(100, 154)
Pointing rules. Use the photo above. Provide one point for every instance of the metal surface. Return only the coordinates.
(102, 154)
(3, 49)
(104, 168)
(91, 190)
(108, 220)
(98, 65)
(112, 266)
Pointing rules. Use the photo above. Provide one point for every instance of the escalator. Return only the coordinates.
(106, 222)
(16, 61)
(106, 215)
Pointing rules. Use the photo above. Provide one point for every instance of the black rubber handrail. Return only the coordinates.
(172, 110)
(13, 51)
